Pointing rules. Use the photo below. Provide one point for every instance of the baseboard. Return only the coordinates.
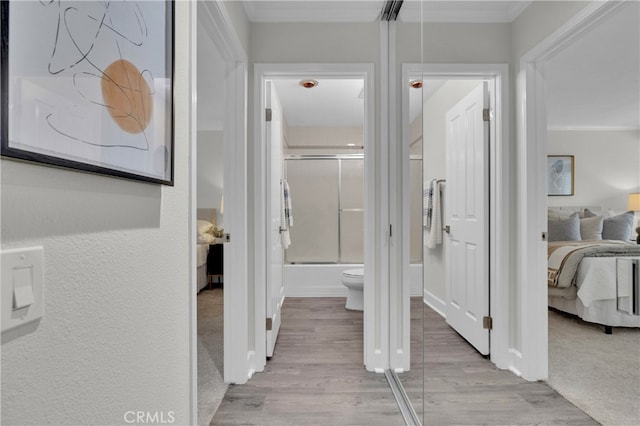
(435, 303)
(516, 362)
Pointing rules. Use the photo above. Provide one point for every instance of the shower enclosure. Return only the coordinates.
(328, 208)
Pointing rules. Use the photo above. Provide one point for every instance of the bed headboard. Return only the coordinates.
(207, 214)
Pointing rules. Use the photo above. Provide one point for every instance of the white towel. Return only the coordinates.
(434, 229)
(427, 212)
(286, 219)
(286, 192)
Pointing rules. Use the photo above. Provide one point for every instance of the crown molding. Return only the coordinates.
(313, 11)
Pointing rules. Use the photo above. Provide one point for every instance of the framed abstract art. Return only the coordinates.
(88, 85)
(560, 174)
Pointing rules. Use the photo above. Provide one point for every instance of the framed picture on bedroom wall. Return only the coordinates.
(88, 85)
(560, 174)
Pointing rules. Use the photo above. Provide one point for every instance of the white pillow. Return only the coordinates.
(591, 228)
(203, 226)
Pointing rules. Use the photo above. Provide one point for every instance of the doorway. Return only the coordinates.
(443, 85)
(210, 127)
(269, 294)
(436, 75)
(532, 204)
(553, 123)
(211, 27)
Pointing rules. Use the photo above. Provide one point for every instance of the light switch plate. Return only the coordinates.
(22, 282)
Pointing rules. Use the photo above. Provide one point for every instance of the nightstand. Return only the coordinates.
(215, 263)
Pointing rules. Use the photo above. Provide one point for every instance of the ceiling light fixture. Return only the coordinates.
(416, 84)
(308, 84)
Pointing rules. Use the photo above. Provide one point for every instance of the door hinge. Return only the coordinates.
(543, 237)
(269, 324)
(268, 114)
(487, 323)
(390, 231)
(487, 114)
(226, 238)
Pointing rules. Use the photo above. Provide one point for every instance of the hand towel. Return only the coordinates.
(434, 235)
(286, 219)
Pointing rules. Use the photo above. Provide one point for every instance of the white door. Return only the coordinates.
(275, 287)
(466, 214)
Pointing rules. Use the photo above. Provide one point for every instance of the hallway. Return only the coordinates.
(316, 376)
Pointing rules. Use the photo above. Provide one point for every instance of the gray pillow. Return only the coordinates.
(618, 227)
(591, 228)
(564, 229)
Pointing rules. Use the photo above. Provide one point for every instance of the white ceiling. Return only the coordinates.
(333, 102)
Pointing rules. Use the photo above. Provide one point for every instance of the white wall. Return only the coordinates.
(606, 166)
(115, 332)
(434, 150)
(326, 137)
(210, 167)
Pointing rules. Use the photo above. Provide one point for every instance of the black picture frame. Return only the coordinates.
(91, 88)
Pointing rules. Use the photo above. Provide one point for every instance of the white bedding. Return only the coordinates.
(202, 251)
(595, 300)
(596, 280)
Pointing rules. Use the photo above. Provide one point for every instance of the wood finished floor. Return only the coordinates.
(461, 387)
(316, 377)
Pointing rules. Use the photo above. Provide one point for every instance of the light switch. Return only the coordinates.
(22, 286)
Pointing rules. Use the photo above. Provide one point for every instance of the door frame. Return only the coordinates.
(499, 192)
(267, 71)
(531, 359)
(216, 20)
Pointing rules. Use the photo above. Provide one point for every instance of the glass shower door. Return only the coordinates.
(352, 210)
(314, 187)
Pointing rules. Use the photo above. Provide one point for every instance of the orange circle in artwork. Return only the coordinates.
(127, 96)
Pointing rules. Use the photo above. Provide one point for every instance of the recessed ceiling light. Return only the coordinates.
(308, 84)
(416, 84)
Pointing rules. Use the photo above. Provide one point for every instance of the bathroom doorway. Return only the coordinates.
(321, 119)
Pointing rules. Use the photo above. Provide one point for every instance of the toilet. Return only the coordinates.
(353, 279)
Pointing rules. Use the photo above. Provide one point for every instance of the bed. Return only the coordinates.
(205, 221)
(593, 266)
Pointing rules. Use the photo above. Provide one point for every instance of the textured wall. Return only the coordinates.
(115, 333)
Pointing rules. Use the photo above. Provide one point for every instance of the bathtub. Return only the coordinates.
(304, 280)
